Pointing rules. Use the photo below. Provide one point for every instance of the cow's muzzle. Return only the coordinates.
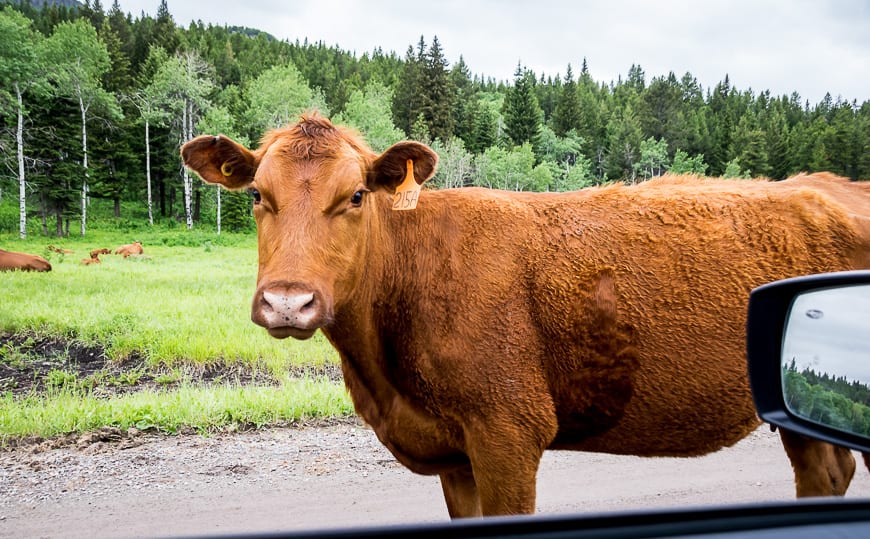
(289, 310)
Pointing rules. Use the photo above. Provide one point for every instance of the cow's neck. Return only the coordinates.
(368, 328)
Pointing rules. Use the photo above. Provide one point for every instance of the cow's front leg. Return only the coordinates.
(460, 493)
(504, 459)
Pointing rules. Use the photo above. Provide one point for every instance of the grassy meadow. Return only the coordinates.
(181, 307)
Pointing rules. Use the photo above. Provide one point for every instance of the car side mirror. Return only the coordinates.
(808, 347)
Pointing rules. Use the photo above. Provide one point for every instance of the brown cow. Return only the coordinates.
(484, 326)
(91, 260)
(96, 252)
(134, 248)
(10, 260)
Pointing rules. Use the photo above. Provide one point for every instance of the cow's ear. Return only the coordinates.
(390, 169)
(220, 160)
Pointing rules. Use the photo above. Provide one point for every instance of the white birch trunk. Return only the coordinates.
(84, 164)
(22, 191)
(148, 172)
(187, 121)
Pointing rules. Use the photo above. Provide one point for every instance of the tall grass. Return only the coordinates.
(200, 408)
(175, 303)
(185, 302)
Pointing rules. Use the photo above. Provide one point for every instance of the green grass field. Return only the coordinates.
(184, 304)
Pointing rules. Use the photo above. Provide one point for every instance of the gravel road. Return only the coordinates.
(114, 484)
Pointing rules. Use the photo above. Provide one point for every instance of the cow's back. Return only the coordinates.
(662, 272)
(11, 260)
(854, 196)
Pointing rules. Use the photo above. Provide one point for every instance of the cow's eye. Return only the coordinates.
(254, 194)
(357, 197)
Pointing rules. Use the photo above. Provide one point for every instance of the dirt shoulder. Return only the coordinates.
(145, 485)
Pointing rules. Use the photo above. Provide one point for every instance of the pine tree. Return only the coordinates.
(118, 78)
(465, 104)
(485, 128)
(862, 141)
(777, 144)
(750, 147)
(623, 143)
(567, 114)
(407, 103)
(522, 115)
(438, 94)
(661, 111)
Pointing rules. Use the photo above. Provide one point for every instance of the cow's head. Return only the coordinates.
(318, 194)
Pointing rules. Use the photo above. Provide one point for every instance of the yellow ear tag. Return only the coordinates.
(408, 191)
(227, 169)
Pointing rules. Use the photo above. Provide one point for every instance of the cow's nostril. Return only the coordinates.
(282, 309)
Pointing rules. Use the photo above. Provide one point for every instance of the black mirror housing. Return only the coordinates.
(769, 317)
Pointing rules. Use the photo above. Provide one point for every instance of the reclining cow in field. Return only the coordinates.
(134, 248)
(11, 260)
(483, 327)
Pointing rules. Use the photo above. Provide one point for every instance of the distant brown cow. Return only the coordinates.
(97, 252)
(91, 260)
(484, 326)
(59, 250)
(10, 260)
(134, 248)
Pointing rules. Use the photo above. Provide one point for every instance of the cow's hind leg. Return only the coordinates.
(460, 493)
(820, 468)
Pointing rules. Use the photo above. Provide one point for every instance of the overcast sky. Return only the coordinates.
(807, 46)
(828, 330)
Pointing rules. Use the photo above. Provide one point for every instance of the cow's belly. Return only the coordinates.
(669, 440)
(694, 417)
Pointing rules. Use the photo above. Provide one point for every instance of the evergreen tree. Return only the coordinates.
(777, 146)
(591, 126)
(465, 104)
(862, 142)
(77, 61)
(438, 94)
(57, 154)
(547, 92)
(661, 111)
(485, 127)
(749, 146)
(165, 32)
(407, 101)
(636, 79)
(522, 115)
(624, 136)
(118, 78)
(567, 114)
(844, 140)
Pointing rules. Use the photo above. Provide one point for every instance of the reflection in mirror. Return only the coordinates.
(826, 358)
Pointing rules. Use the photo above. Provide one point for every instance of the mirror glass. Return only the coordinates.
(826, 358)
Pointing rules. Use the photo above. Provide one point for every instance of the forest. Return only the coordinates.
(828, 399)
(94, 104)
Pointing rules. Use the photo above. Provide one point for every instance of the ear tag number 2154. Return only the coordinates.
(408, 191)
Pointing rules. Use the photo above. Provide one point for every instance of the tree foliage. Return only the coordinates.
(98, 102)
